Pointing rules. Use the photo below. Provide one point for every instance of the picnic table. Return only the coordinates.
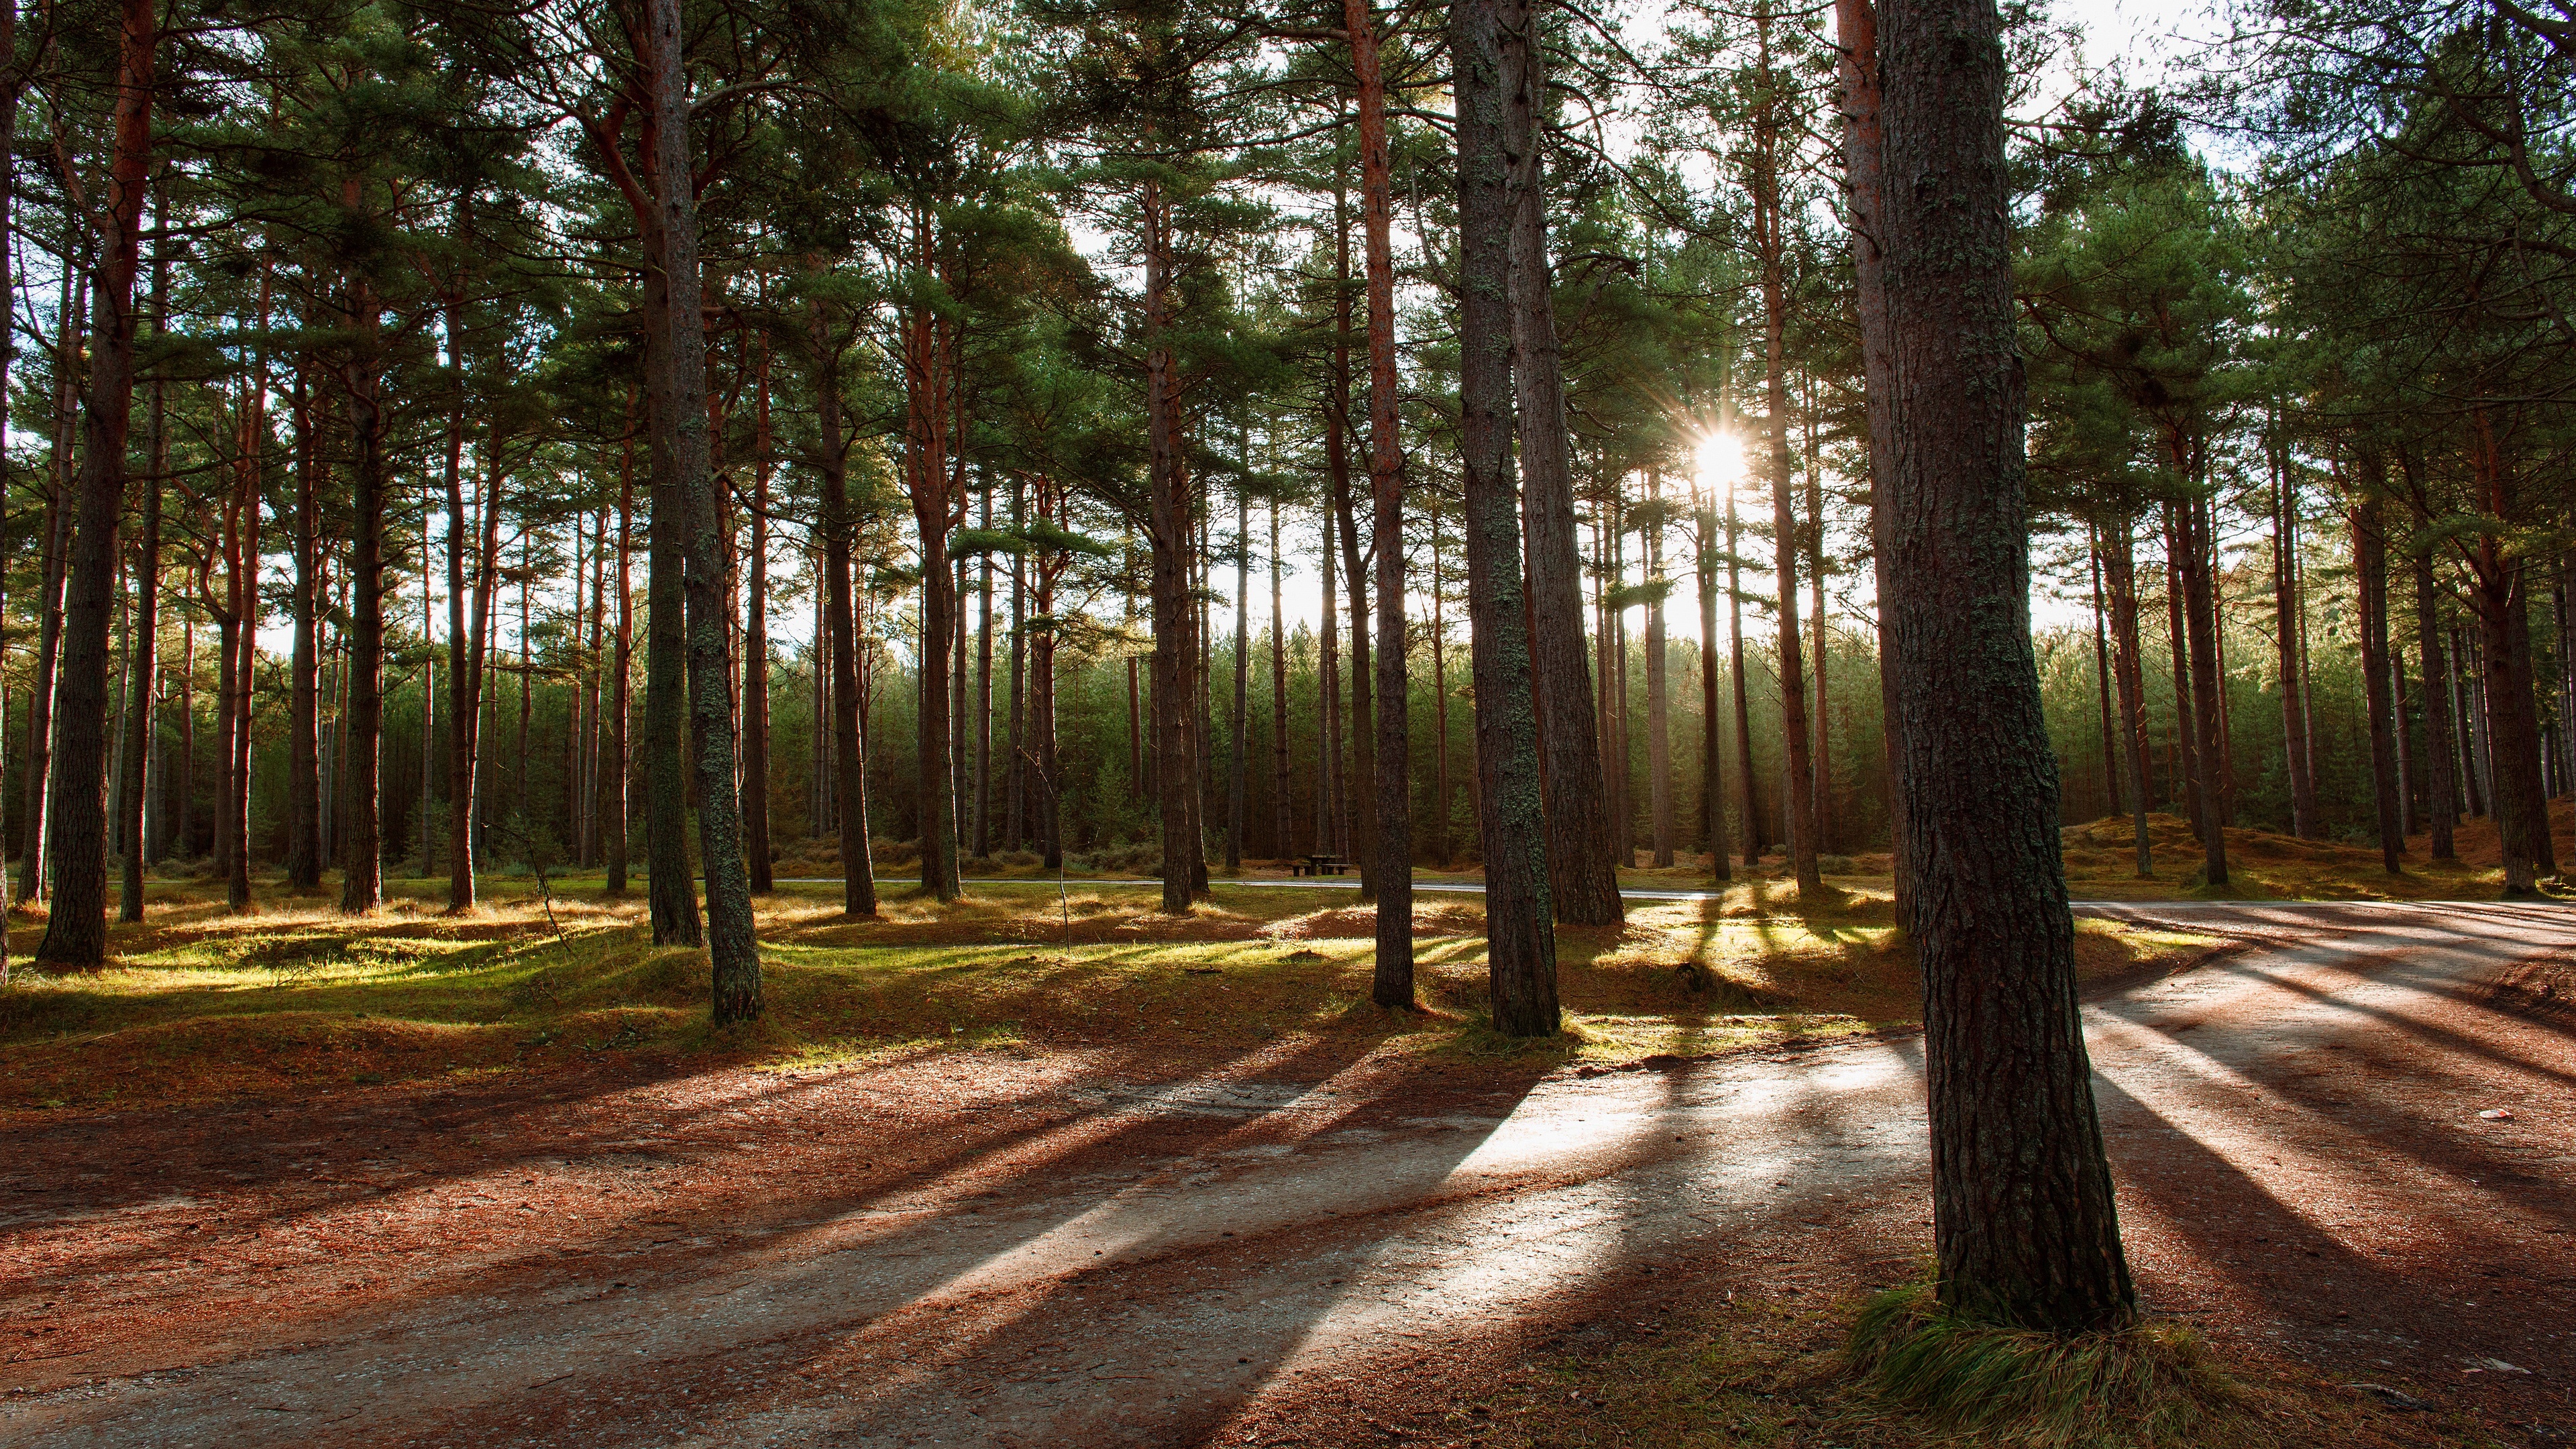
(1319, 865)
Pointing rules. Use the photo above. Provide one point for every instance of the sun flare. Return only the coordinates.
(1719, 459)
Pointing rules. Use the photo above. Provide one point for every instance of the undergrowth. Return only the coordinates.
(2149, 1385)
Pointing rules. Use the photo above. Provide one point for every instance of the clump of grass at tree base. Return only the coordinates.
(2146, 1385)
(298, 998)
(1728, 1369)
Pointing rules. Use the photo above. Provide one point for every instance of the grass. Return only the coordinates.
(296, 998)
(1778, 1371)
(2101, 862)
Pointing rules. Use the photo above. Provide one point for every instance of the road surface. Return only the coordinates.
(1076, 1256)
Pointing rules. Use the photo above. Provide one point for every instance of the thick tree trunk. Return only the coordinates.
(1583, 877)
(2441, 744)
(1170, 530)
(680, 378)
(670, 886)
(76, 929)
(1520, 938)
(2024, 1229)
(2370, 570)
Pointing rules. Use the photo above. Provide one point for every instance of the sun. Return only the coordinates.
(1719, 460)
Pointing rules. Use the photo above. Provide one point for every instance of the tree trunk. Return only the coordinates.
(1237, 758)
(1390, 856)
(2370, 569)
(670, 886)
(1770, 241)
(49, 603)
(1712, 755)
(680, 375)
(361, 732)
(2024, 1229)
(76, 929)
(1583, 878)
(849, 768)
(1520, 938)
(934, 514)
(755, 654)
(1169, 536)
(1283, 806)
(2285, 615)
(2441, 746)
(2128, 667)
(145, 664)
(1356, 782)
(616, 772)
(2102, 676)
(1743, 702)
(1659, 721)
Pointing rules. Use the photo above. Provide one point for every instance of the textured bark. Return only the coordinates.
(2024, 1229)
(1170, 530)
(2441, 741)
(670, 887)
(76, 930)
(1583, 880)
(1519, 928)
(733, 954)
(464, 711)
(2370, 571)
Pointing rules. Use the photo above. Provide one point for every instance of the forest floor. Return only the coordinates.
(1041, 1170)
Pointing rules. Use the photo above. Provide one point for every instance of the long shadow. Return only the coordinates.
(1010, 1282)
(2267, 1250)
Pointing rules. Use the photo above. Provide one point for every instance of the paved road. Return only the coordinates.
(1309, 1235)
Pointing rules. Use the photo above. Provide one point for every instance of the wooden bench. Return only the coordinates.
(1320, 865)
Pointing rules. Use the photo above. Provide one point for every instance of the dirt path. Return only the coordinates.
(1095, 1249)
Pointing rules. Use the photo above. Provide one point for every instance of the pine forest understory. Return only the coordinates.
(703, 539)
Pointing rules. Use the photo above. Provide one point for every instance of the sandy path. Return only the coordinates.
(1078, 1256)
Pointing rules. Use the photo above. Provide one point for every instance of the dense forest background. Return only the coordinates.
(999, 274)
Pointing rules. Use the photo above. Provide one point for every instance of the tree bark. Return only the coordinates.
(1169, 530)
(2285, 615)
(1771, 243)
(362, 718)
(145, 665)
(1712, 754)
(1520, 939)
(1659, 721)
(1751, 791)
(2128, 668)
(1583, 879)
(2024, 1229)
(733, 954)
(76, 929)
